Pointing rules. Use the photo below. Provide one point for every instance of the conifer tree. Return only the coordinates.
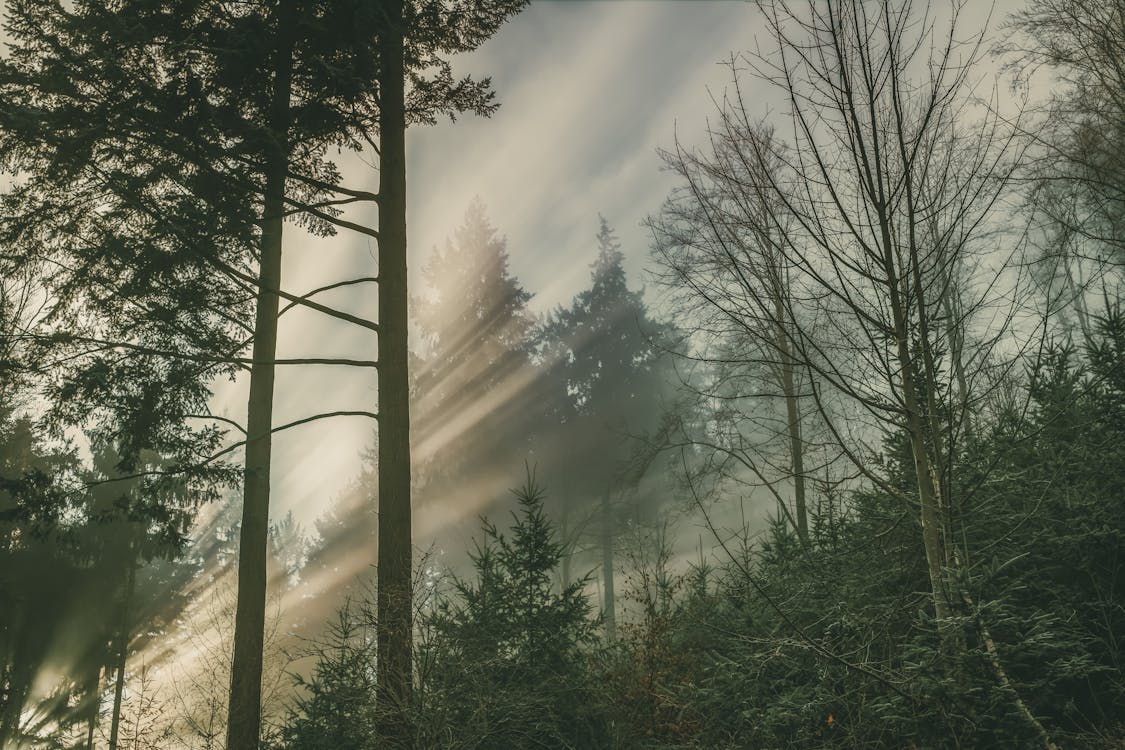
(416, 84)
(471, 387)
(507, 655)
(337, 708)
(608, 356)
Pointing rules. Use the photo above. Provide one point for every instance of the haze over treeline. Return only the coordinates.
(825, 449)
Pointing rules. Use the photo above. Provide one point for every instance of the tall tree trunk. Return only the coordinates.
(18, 677)
(929, 500)
(607, 569)
(955, 332)
(122, 656)
(244, 713)
(394, 596)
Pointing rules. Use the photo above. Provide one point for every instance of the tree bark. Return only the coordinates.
(15, 676)
(122, 656)
(394, 597)
(13, 706)
(244, 713)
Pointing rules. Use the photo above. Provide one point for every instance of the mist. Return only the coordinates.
(494, 373)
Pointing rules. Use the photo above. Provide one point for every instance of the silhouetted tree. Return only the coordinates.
(36, 578)
(608, 357)
(507, 653)
(415, 85)
(477, 345)
(336, 707)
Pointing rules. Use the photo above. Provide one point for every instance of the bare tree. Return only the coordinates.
(145, 716)
(730, 287)
(1076, 180)
(200, 683)
(861, 241)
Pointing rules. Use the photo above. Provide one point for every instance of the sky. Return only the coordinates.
(589, 91)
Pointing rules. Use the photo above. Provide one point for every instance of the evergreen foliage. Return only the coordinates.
(508, 656)
(831, 646)
(946, 565)
(505, 658)
(470, 388)
(336, 707)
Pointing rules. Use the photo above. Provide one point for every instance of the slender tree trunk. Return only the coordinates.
(12, 714)
(394, 597)
(122, 656)
(940, 469)
(930, 508)
(94, 687)
(956, 335)
(607, 569)
(993, 653)
(18, 678)
(91, 725)
(929, 501)
(793, 426)
(244, 714)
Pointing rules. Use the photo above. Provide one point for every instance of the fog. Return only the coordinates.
(663, 312)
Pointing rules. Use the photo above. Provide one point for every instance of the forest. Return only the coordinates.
(824, 447)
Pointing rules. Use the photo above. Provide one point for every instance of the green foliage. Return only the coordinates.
(506, 658)
(1050, 529)
(336, 707)
(834, 646)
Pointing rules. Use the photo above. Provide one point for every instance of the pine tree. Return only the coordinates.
(336, 705)
(471, 389)
(474, 320)
(608, 357)
(413, 46)
(507, 655)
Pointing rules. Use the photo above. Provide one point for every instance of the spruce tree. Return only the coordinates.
(336, 703)
(471, 394)
(507, 658)
(608, 357)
